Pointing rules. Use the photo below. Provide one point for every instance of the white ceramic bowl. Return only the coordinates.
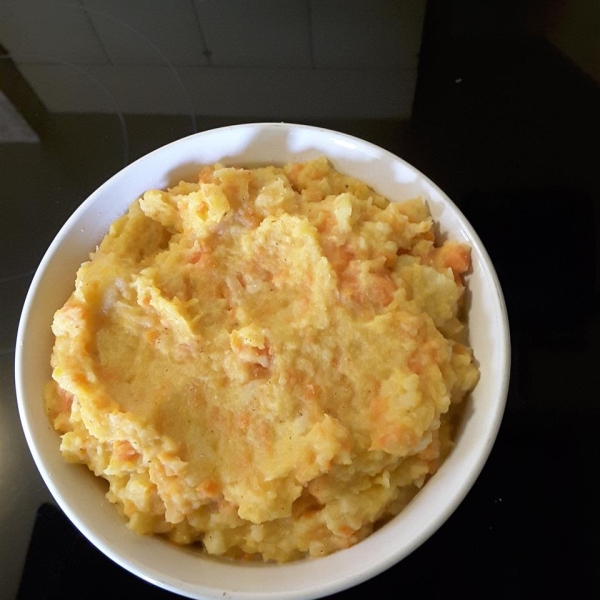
(81, 496)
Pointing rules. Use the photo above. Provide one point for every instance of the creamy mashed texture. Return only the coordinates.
(266, 362)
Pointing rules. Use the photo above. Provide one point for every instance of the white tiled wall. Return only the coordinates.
(373, 34)
(235, 91)
(259, 33)
(47, 31)
(256, 58)
(145, 32)
(147, 89)
(262, 93)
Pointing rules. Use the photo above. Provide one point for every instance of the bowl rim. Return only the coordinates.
(332, 585)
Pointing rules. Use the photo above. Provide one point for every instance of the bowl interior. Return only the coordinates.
(81, 496)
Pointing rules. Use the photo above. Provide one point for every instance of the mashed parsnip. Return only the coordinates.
(264, 361)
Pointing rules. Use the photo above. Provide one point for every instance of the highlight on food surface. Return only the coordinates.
(266, 362)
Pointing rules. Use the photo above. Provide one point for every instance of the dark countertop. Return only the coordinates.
(500, 119)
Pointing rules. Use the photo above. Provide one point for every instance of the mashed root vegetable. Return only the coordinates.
(263, 361)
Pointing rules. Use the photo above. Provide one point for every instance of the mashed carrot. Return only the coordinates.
(263, 361)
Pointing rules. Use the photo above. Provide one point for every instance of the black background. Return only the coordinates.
(509, 128)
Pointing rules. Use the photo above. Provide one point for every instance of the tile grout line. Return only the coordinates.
(96, 34)
(206, 51)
